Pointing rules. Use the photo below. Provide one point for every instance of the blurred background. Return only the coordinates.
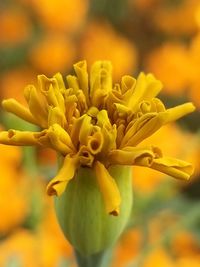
(158, 36)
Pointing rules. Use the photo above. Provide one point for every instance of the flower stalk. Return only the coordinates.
(100, 259)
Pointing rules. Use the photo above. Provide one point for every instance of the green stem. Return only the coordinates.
(101, 259)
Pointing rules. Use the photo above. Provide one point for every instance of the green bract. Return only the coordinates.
(81, 213)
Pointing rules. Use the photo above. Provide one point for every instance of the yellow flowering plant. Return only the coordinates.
(97, 128)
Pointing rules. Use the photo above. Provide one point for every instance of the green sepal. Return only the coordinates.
(81, 212)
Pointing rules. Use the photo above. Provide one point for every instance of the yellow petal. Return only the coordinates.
(153, 105)
(174, 167)
(58, 184)
(120, 134)
(127, 87)
(98, 98)
(85, 129)
(103, 119)
(127, 83)
(82, 74)
(56, 116)
(60, 140)
(37, 107)
(53, 93)
(108, 188)
(149, 123)
(101, 77)
(60, 81)
(11, 105)
(85, 156)
(122, 109)
(141, 128)
(76, 129)
(18, 138)
(147, 87)
(160, 107)
(176, 113)
(63, 135)
(43, 138)
(95, 143)
(81, 103)
(93, 111)
(73, 82)
(108, 131)
(133, 156)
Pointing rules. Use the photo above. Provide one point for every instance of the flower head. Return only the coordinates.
(94, 123)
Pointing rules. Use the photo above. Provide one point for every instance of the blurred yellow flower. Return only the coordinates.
(128, 248)
(13, 81)
(13, 186)
(101, 41)
(94, 124)
(15, 26)
(62, 15)
(185, 244)
(176, 18)
(188, 262)
(52, 53)
(167, 60)
(158, 257)
(27, 248)
(194, 74)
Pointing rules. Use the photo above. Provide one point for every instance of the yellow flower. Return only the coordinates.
(95, 124)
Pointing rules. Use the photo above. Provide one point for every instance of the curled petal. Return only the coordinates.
(60, 140)
(154, 105)
(149, 123)
(85, 130)
(147, 87)
(108, 188)
(63, 135)
(72, 81)
(122, 110)
(76, 129)
(82, 74)
(81, 103)
(146, 107)
(18, 138)
(51, 90)
(58, 184)
(120, 134)
(98, 98)
(55, 115)
(60, 81)
(43, 138)
(141, 128)
(36, 105)
(159, 106)
(11, 105)
(93, 111)
(174, 167)
(100, 78)
(128, 85)
(108, 130)
(85, 156)
(95, 143)
(131, 156)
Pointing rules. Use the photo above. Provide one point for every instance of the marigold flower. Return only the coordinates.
(96, 127)
(94, 124)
